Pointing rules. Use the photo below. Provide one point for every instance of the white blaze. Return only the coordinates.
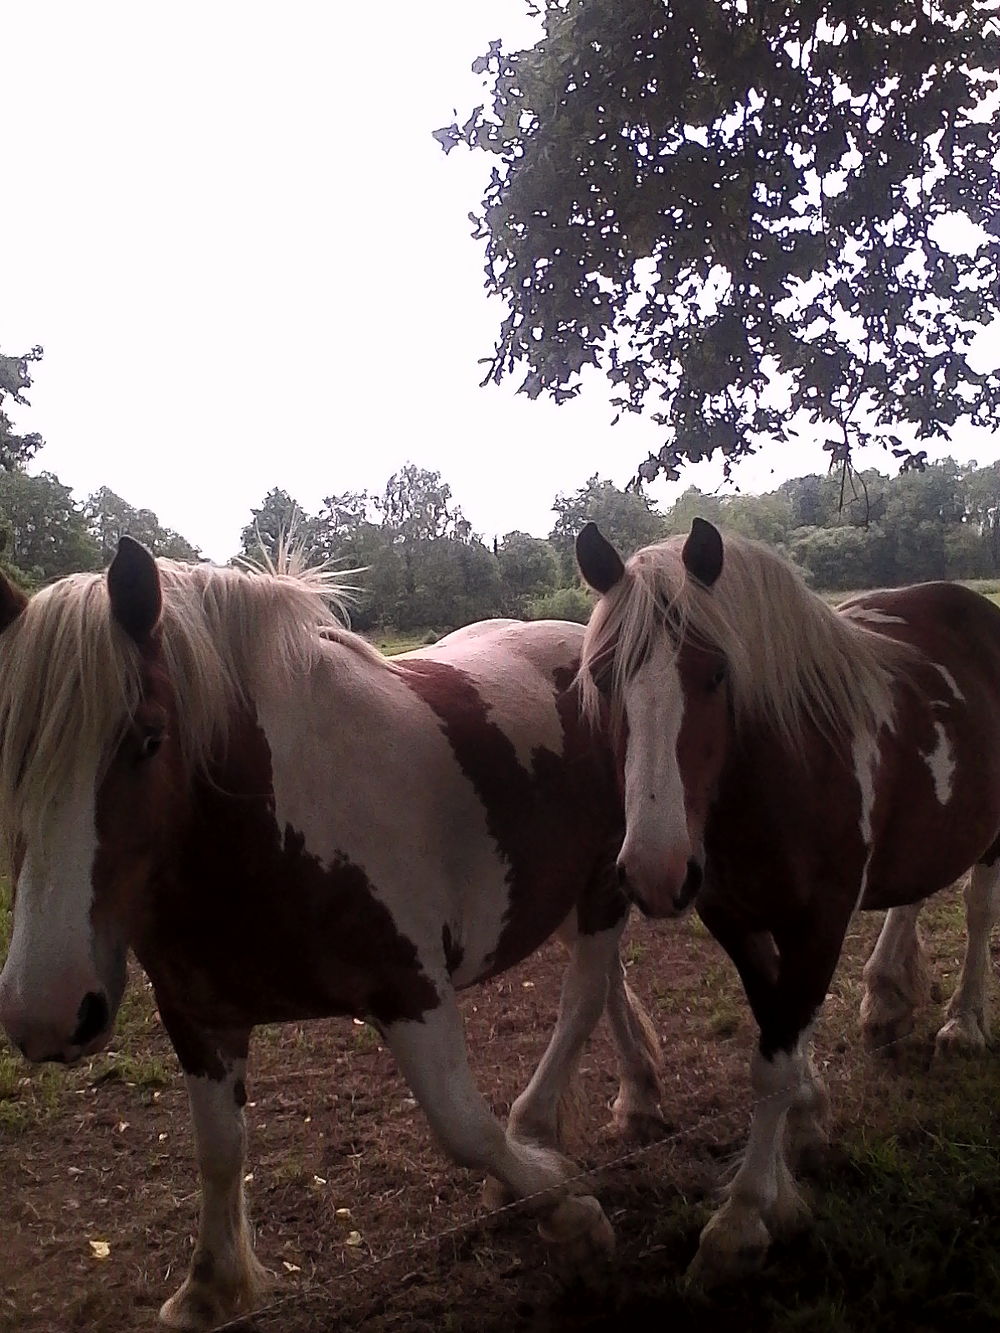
(655, 806)
(50, 965)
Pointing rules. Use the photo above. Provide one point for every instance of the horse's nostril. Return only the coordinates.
(92, 1018)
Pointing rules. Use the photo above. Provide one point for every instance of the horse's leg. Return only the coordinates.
(225, 1278)
(635, 1112)
(968, 1022)
(786, 978)
(896, 980)
(534, 1117)
(432, 1058)
(594, 978)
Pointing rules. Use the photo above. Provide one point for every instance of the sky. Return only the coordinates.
(250, 265)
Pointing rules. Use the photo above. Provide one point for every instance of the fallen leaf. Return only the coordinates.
(353, 1238)
(100, 1249)
(343, 1213)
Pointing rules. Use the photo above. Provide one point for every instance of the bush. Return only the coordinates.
(563, 604)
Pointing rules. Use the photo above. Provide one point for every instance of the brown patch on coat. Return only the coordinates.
(235, 922)
(558, 826)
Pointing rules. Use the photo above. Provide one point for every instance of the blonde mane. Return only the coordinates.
(793, 661)
(71, 678)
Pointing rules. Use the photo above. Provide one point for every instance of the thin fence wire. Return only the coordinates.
(312, 1288)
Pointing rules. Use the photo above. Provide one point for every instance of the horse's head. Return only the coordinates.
(85, 785)
(667, 691)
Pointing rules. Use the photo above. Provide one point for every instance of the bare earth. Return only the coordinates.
(105, 1155)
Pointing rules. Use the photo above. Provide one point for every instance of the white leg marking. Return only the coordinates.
(762, 1199)
(968, 1020)
(431, 1055)
(225, 1277)
(895, 977)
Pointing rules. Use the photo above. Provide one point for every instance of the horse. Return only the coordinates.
(783, 764)
(203, 765)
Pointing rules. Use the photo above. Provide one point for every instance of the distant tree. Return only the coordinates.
(109, 518)
(625, 517)
(693, 503)
(44, 530)
(15, 381)
(529, 567)
(563, 604)
(706, 199)
(416, 506)
(278, 519)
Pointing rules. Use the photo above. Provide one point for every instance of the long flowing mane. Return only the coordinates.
(71, 678)
(793, 661)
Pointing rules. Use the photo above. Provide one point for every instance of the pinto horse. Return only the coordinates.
(203, 765)
(789, 763)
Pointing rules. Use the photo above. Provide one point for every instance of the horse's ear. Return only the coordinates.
(702, 554)
(12, 602)
(134, 589)
(600, 564)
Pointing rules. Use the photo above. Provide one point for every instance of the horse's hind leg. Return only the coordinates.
(431, 1055)
(225, 1278)
(968, 1025)
(896, 981)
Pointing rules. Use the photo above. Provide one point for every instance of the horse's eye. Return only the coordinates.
(717, 677)
(150, 743)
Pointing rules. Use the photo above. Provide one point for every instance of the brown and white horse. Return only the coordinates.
(205, 766)
(806, 762)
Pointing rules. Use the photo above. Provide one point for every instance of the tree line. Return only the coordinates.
(417, 563)
(424, 566)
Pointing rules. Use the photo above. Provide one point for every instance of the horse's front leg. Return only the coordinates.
(225, 1278)
(968, 1021)
(786, 978)
(896, 980)
(594, 979)
(430, 1052)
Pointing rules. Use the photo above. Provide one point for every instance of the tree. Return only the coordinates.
(416, 506)
(16, 450)
(529, 567)
(45, 532)
(625, 517)
(701, 197)
(109, 517)
(278, 519)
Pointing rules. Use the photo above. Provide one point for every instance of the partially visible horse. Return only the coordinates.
(205, 766)
(788, 763)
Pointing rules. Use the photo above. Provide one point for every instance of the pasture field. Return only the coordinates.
(97, 1161)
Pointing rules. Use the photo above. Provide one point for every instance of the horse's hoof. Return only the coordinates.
(639, 1127)
(496, 1194)
(580, 1237)
(732, 1245)
(883, 1038)
(193, 1309)
(962, 1035)
(197, 1306)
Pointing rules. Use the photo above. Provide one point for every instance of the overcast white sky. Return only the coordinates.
(249, 264)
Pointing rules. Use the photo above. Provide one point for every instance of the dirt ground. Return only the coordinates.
(99, 1195)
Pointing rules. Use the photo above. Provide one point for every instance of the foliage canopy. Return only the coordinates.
(733, 208)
